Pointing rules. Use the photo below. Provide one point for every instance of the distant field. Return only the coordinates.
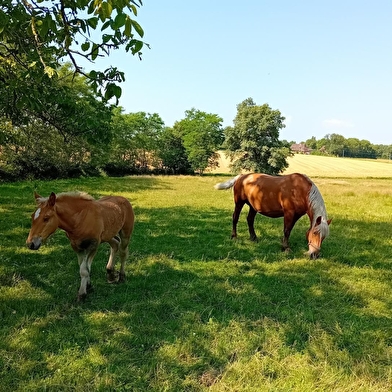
(320, 166)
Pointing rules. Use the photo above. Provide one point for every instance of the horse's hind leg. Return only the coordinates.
(111, 275)
(236, 214)
(251, 220)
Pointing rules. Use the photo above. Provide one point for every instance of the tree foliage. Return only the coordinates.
(337, 145)
(201, 135)
(135, 140)
(37, 150)
(172, 153)
(253, 142)
(36, 38)
(66, 104)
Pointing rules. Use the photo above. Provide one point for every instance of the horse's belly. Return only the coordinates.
(267, 208)
(272, 214)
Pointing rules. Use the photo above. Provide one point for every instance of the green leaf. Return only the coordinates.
(119, 20)
(106, 38)
(106, 10)
(138, 45)
(128, 27)
(85, 46)
(112, 90)
(93, 22)
(138, 28)
(134, 9)
(106, 25)
(94, 51)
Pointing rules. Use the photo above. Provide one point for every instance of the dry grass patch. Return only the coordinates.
(330, 167)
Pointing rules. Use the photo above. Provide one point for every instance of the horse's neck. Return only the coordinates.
(68, 213)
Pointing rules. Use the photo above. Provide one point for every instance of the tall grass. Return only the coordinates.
(199, 311)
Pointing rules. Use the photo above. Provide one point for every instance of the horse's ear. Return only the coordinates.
(52, 199)
(36, 196)
(318, 220)
(329, 221)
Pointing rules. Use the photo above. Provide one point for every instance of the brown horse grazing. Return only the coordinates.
(290, 197)
(87, 222)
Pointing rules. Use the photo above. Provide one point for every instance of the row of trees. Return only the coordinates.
(81, 135)
(337, 145)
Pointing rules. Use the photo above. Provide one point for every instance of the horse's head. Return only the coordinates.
(316, 235)
(44, 221)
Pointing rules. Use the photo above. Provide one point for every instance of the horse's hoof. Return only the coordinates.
(254, 239)
(112, 277)
(82, 297)
(121, 278)
(286, 250)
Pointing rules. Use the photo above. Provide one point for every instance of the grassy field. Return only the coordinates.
(200, 312)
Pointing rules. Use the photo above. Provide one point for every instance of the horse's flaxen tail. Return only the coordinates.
(228, 184)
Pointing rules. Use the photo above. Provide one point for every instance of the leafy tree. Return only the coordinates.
(311, 143)
(36, 150)
(172, 152)
(135, 139)
(337, 144)
(69, 105)
(202, 135)
(253, 143)
(36, 38)
(72, 129)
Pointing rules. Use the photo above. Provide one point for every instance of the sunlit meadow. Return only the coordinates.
(200, 311)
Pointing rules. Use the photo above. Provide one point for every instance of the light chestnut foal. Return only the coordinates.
(87, 223)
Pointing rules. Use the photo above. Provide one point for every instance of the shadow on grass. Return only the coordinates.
(187, 283)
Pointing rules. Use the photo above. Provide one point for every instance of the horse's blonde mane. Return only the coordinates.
(76, 194)
(317, 205)
(59, 196)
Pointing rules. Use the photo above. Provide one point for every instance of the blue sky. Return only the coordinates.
(326, 65)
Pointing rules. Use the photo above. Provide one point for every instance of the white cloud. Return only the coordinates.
(335, 123)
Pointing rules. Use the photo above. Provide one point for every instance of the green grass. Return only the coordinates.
(199, 311)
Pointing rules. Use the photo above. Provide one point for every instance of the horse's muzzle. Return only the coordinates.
(34, 244)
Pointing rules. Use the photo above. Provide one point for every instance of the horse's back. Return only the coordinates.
(271, 195)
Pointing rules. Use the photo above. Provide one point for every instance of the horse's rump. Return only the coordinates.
(117, 215)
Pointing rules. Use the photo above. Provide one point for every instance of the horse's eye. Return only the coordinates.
(46, 219)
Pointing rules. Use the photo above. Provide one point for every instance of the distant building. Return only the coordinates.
(300, 148)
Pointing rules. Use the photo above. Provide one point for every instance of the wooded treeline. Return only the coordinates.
(337, 145)
(77, 134)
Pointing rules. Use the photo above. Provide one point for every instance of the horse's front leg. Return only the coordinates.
(289, 222)
(85, 260)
